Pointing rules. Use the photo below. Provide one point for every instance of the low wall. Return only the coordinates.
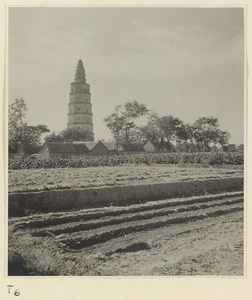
(60, 200)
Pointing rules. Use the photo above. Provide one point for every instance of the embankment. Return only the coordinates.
(62, 200)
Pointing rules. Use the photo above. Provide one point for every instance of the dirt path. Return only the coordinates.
(189, 236)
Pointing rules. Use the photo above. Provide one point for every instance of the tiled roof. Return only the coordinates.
(80, 147)
(60, 147)
(91, 145)
(111, 146)
(28, 149)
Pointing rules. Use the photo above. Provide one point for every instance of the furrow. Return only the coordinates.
(91, 214)
(144, 215)
(82, 240)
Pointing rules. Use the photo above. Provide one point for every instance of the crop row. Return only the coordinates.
(235, 158)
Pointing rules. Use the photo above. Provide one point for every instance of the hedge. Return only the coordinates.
(235, 158)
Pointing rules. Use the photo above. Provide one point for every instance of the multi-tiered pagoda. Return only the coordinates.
(80, 108)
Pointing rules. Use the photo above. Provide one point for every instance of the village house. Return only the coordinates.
(97, 148)
(149, 147)
(131, 148)
(26, 151)
(51, 150)
(80, 148)
(64, 150)
(67, 149)
(112, 147)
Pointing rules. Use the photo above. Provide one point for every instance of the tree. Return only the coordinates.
(164, 131)
(153, 132)
(53, 137)
(230, 148)
(131, 112)
(115, 123)
(240, 147)
(172, 128)
(137, 135)
(123, 120)
(72, 134)
(32, 134)
(169, 131)
(223, 137)
(69, 135)
(205, 131)
(17, 112)
(19, 132)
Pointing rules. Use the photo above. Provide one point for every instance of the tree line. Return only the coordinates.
(167, 133)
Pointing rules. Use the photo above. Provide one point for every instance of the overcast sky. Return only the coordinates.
(184, 62)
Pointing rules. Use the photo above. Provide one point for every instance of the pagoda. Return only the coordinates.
(80, 108)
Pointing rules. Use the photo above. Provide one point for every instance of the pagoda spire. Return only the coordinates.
(80, 75)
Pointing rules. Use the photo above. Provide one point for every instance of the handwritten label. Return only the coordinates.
(16, 292)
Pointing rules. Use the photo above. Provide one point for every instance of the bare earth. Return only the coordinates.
(200, 235)
(201, 248)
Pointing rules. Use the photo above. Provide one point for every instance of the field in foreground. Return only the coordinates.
(200, 235)
(67, 178)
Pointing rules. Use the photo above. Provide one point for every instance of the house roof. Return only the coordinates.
(28, 149)
(111, 146)
(80, 147)
(148, 141)
(59, 147)
(91, 145)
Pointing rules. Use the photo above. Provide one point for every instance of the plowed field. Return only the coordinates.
(54, 179)
(200, 235)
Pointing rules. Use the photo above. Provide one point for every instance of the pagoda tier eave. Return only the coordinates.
(80, 93)
(77, 82)
(76, 123)
(79, 102)
(80, 113)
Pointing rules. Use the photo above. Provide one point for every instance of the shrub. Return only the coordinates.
(231, 158)
(227, 158)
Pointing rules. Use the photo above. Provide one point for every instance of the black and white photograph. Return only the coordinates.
(126, 141)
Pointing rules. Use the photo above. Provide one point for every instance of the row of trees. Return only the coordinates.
(164, 132)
